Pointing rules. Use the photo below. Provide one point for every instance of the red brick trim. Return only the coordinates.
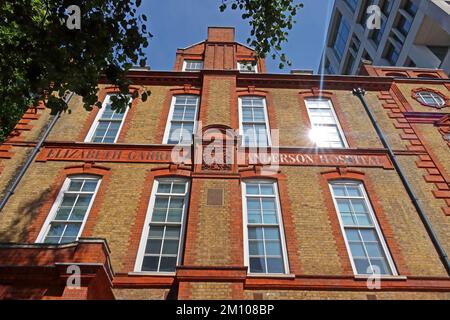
(444, 128)
(375, 71)
(192, 221)
(25, 123)
(414, 95)
(349, 283)
(87, 168)
(396, 103)
(235, 233)
(186, 89)
(141, 211)
(391, 242)
(5, 151)
(317, 93)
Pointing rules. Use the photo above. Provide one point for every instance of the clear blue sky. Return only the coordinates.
(180, 23)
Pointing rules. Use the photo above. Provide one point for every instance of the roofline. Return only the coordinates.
(203, 41)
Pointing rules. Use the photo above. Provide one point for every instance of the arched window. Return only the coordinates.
(265, 248)
(365, 243)
(182, 120)
(69, 213)
(161, 242)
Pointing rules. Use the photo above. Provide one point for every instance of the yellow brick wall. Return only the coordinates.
(317, 248)
(391, 133)
(361, 131)
(290, 118)
(210, 291)
(431, 205)
(116, 213)
(407, 88)
(213, 228)
(219, 91)
(70, 125)
(142, 123)
(140, 294)
(293, 122)
(11, 167)
(438, 146)
(344, 295)
(23, 207)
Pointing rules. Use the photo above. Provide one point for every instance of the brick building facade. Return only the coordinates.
(105, 197)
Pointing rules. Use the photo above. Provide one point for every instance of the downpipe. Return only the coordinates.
(360, 93)
(12, 187)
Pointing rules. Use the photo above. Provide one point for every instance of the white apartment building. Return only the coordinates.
(413, 33)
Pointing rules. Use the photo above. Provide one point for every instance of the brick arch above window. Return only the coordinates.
(259, 172)
(415, 95)
(342, 173)
(87, 168)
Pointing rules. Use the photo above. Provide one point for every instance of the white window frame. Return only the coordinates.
(170, 116)
(280, 226)
(53, 211)
(336, 119)
(239, 63)
(185, 62)
(94, 125)
(148, 219)
(377, 228)
(266, 119)
(439, 102)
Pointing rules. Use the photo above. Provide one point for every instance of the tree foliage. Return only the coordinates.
(40, 55)
(270, 22)
(41, 58)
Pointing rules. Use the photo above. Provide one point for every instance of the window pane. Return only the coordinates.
(75, 185)
(89, 186)
(170, 247)
(256, 248)
(257, 265)
(255, 233)
(273, 248)
(153, 246)
(156, 232)
(72, 229)
(168, 264)
(275, 265)
(150, 263)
